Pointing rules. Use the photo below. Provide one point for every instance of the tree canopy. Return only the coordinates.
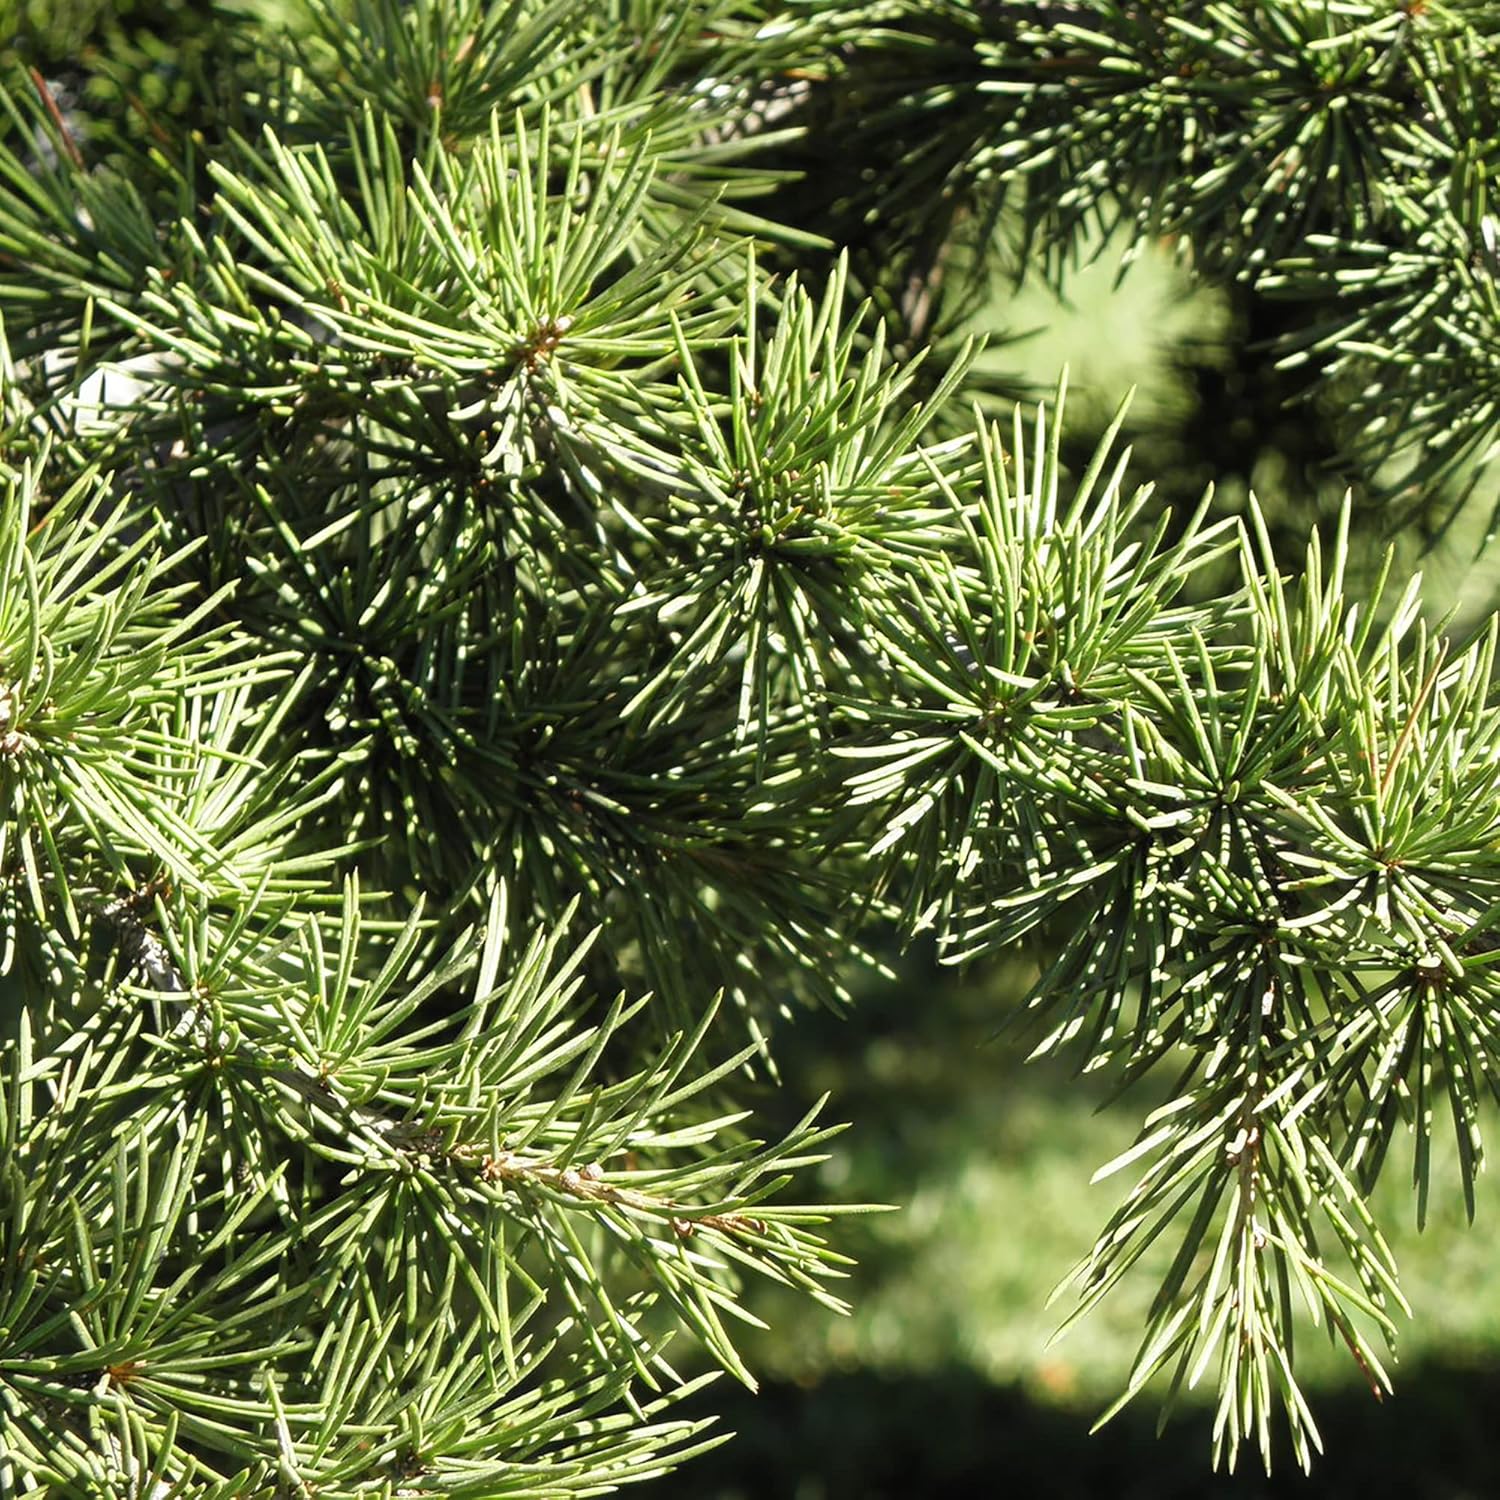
(514, 584)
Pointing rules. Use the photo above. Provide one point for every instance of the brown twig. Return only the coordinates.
(587, 1183)
(65, 135)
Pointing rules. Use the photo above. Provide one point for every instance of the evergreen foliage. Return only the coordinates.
(491, 621)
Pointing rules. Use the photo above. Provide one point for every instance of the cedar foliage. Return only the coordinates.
(496, 612)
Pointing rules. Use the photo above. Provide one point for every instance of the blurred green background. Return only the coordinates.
(945, 1380)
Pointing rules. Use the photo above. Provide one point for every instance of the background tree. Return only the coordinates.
(471, 557)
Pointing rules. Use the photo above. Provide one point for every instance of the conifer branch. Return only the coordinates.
(430, 508)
